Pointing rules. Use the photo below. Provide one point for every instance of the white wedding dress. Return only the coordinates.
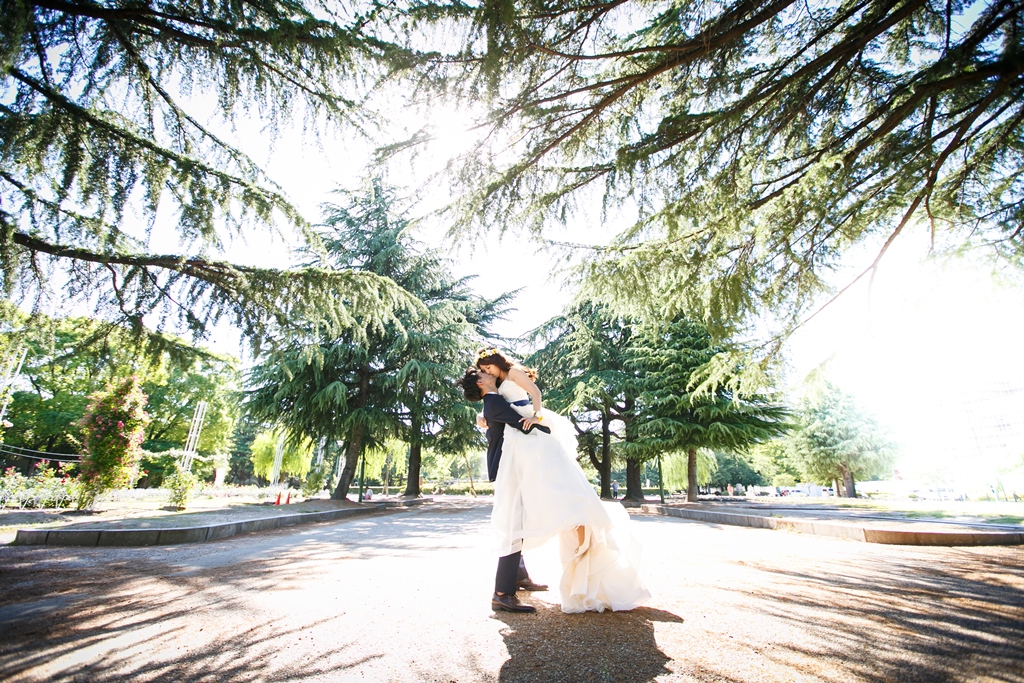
(541, 492)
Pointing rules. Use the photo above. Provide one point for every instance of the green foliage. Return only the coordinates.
(101, 121)
(315, 482)
(635, 390)
(836, 441)
(70, 358)
(784, 479)
(760, 141)
(397, 381)
(182, 484)
(582, 361)
(389, 460)
(673, 469)
(735, 469)
(774, 462)
(46, 487)
(669, 357)
(240, 468)
(462, 488)
(175, 390)
(112, 431)
(295, 459)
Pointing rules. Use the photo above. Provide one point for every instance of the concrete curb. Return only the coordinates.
(844, 530)
(196, 534)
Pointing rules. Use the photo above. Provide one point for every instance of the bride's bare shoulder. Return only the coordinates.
(520, 377)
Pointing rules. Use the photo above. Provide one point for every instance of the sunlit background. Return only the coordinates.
(930, 347)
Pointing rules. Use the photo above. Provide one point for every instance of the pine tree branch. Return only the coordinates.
(181, 161)
(203, 269)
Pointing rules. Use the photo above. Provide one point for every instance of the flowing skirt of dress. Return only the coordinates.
(541, 492)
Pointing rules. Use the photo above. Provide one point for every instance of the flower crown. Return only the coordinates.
(486, 352)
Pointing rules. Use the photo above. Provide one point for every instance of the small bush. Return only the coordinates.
(181, 483)
(47, 487)
(315, 482)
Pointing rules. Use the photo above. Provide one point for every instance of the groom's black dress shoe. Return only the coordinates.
(509, 603)
(529, 585)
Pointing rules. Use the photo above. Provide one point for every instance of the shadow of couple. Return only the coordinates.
(550, 646)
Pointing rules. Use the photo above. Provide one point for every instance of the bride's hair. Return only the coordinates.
(468, 385)
(502, 362)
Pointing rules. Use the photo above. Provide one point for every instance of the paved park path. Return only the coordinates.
(403, 596)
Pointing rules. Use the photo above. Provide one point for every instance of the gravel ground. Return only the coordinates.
(403, 596)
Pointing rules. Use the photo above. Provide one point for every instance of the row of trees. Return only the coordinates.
(760, 142)
(635, 389)
(635, 392)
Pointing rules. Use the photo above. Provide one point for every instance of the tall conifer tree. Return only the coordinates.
(397, 380)
(582, 362)
(670, 358)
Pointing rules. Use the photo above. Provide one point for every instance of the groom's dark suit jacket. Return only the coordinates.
(499, 413)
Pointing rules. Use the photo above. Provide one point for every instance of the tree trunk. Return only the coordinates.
(412, 484)
(606, 457)
(355, 444)
(849, 488)
(691, 475)
(348, 472)
(634, 484)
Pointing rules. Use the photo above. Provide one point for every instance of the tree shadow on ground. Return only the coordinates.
(549, 646)
(903, 620)
(156, 645)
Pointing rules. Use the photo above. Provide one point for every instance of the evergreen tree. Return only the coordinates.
(98, 123)
(835, 441)
(669, 358)
(582, 364)
(761, 140)
(396, 380)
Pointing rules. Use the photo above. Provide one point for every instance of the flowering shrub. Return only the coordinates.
(181, 483)
(112, 428)
(47, 487)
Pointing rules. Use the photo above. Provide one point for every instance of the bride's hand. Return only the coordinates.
(529, 422)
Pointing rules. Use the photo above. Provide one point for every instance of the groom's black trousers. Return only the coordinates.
(508, 573)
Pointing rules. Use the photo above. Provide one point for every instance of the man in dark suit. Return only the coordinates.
(511, 574)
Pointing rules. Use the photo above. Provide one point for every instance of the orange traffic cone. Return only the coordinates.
(278, 501)
(289, 497)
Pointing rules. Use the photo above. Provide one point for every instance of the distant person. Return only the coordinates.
(368, 494)
(615, 490)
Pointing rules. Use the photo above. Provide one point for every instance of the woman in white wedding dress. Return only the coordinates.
(541, 492)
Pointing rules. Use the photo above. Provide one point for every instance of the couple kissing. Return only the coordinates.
(541, 493)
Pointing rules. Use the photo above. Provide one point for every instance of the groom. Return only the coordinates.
(497, 413)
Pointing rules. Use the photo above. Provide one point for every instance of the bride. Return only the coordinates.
(542, 492)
